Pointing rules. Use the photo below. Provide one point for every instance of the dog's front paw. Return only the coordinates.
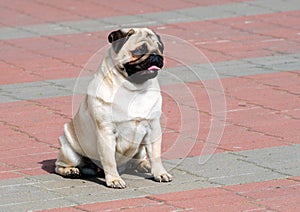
(116, 183)
(165, 177)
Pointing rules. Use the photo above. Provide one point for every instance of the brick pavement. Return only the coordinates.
(253, 46)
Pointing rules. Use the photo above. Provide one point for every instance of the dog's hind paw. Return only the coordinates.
(71, 172)
(144, 166)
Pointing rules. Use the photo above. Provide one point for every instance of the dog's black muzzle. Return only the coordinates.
(147, 69)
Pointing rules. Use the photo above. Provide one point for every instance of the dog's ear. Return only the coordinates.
(118, 38)
(160, 44)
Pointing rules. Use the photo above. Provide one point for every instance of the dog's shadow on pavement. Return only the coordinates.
(49, 166)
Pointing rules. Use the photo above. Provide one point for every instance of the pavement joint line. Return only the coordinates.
(265, 207)
(257, 106)
(149, 19)
(17, 129)
(273, 110)
(250, 129)
(272, 37)
(265, 167)
(159, 201)
(287, 91)
(11, 43)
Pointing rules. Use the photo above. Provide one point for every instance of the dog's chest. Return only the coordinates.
(130, 136)
(133, 131)
(131, 106)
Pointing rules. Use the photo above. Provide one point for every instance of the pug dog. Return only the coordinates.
(118, 123)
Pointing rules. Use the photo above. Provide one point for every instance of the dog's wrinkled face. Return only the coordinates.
(137, 53)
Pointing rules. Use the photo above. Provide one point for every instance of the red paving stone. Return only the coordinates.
(62, 56)
(40, 123)
(21, 153)
(287, 82)
(279, 195)
(282, 127)
(143, 204)
(19, 13)
(237, 138)
(267, 89)
(36, 12)
(131, 204)
(9, 73)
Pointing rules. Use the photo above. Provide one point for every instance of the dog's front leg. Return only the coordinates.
(158, 171)
(106, 146)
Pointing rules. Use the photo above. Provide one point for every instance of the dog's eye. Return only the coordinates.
(143, 49)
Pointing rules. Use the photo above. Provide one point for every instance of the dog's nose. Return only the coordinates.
(156, 59)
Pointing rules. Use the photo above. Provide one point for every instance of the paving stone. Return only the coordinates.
(170, 17)
(280, 6)
(87, 25)
(51, 29)
(231, 169)
(33, 205)
(14, 33)
(128, 21)
(276, 159)
(201, 13)
(35, 90)
(247, 9)
(65, 87)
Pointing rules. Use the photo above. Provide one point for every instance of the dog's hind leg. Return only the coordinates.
(139, 162)
(68, 160)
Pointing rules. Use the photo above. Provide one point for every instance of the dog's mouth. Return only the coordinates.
(147, 69)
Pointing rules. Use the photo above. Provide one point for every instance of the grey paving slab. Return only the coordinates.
(283, 160)
(22, 194)
(87, 25)
(7, 33)
(171, 187)
(278, 6)
(246, 166)
(278, 63)
(76, 85)
(31, 91)
(150, 19)
(175, 16)
(228, 169)
(35, 205)
(181, 74)
(52, 191)
(247, 9)
(138, 20)
(51, 29)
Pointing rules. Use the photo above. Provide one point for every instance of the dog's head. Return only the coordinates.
(137, 53)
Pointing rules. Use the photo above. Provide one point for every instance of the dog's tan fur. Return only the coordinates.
(119, 121)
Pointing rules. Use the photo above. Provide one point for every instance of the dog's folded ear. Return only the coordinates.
(161, 44)
(118, 38)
